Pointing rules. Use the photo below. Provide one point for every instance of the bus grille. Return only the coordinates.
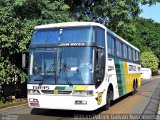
(56, 92)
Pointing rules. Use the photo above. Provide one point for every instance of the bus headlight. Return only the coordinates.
(30, 91)
(83, 92)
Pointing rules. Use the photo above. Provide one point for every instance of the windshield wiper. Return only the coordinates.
(49, 70)
(64, 69)
(39, 71)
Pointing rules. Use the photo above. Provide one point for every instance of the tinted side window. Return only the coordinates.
(119, 48)
(125, 51)
(138, 57)
(100, 36)
(110, 44)
(134, 55)
(130, 53)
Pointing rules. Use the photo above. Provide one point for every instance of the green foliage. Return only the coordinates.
(121, 13)
(19, 17)
(149, 60)
(17, 20)
(147, 36)
(150, 2)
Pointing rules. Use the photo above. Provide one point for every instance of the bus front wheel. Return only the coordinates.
(108, 99)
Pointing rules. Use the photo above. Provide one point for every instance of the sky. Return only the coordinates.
(152, 12)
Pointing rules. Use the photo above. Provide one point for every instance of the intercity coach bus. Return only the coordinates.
(80, 66)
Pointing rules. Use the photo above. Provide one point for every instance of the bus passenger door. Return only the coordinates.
(99, 66)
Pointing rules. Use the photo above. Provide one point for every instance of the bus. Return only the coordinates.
(80, 66)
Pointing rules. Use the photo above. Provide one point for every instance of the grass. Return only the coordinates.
(4, 104)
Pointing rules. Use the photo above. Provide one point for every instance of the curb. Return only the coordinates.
(153, 105)
(152, 77)
(155, 77)
(13, 104)
(158, 113)
(157, 91)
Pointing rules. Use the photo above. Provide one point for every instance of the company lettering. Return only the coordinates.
(41, 87)
(72, 44)
(64, 44)
(77, 44)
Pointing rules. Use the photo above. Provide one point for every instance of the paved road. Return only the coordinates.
(145, 101)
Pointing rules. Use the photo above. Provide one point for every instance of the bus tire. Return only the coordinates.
(108, 99)
(134, 88)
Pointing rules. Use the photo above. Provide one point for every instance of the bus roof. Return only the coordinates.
(69, 24)
(81, 24)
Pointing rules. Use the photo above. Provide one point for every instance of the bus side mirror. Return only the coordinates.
(25, 58)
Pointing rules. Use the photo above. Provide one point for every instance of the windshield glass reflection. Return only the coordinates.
(59, 35)
(65, 65)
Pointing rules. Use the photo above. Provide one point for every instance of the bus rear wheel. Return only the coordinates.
(134, 88)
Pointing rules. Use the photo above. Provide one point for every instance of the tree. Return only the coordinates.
(149, 60)
(17, 20)
(121, 13)
(19, 17)
(147, 36)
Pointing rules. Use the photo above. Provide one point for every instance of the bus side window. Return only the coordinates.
(110, 45)
(130, 53)
(125, 51)
(134, 55)
(118, 48)
(138, 57)
(100, 37)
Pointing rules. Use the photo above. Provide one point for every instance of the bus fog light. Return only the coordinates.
(79, 102)
(33, 100)
(30, 91)
(83, 93)
(90, 92)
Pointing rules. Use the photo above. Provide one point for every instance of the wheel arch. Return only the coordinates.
(135, 81)
(110, 87)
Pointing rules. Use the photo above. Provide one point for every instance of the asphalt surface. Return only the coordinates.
(144, 102)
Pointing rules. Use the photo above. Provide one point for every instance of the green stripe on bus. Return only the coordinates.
(120, 77)
(60, 87)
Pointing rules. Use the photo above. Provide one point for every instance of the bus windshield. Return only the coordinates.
(64, 65)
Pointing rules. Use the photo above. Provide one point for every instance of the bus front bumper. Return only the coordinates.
(63, 102)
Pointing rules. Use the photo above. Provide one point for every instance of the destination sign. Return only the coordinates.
(41, 87)
(72, 44)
